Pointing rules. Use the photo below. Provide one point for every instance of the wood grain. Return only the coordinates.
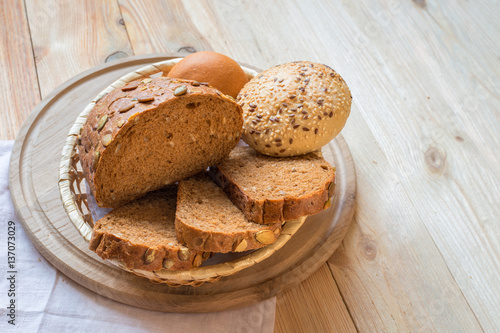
(318, 300)
(69, 38)
(425, 80)
(440, 136)
(388, 269)
(161, 27)
(18, 83)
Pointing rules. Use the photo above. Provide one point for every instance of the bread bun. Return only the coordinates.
(218, 70)
(294, 108)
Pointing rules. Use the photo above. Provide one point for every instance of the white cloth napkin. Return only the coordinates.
(48, 301)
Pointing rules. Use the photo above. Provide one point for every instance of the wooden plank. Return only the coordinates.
(388, 269)
(161, 27)
(18, 82)
(322, 310)
(70, 38)
(439, 131)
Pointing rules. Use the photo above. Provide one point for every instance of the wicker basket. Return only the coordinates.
(75, 199)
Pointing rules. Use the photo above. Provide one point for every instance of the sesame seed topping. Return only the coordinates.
(305, 117)
(300, 105)
(282, 151)
(284, 104)
(291, 141)
(268, 145)
(292, 96)
(305, 129)
(302, 74)
(259, 116)
(253, 106)
(315, 131)
(319, 117)
(296, 126)
(266, 131)
(293, 109)
(278, 140)
(291, 115)
(252, 132)
(330, 114)
(279, 144)
(304, 112)
(280, 80)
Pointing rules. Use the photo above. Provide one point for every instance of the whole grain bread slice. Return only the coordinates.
(142, 235)
(272, 189)
(154, 132)
(206, 220)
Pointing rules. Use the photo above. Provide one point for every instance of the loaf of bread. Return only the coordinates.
(142, 235)
(154, 132)
(206, 220)
(272, 189)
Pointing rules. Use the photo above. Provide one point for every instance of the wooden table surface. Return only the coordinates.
(423, 253)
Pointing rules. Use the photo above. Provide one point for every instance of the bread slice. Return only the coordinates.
(272, 189)
(142, 235)
(206, 220)
(152, 133)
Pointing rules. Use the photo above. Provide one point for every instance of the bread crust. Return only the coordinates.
(110, 241)
(110, 119)
(271, 211)
(219, 242)
(203, 239)
(109, 246)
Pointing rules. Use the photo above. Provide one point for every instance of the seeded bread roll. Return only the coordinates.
(294, 108)
(271, 189)
(142, 235)
(154, 132)
(206, 220)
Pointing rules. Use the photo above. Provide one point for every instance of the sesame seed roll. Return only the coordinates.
(294, 108)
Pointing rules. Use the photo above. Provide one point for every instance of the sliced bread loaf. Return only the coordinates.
(271, 189)
(154, 132)
(142, 235)
(206, 220)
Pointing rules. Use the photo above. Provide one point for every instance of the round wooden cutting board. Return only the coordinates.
(34, 171)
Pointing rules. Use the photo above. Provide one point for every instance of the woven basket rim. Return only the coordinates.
(194, 276)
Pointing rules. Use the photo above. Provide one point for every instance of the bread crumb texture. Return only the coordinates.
(141, 234)
(154, 132)
(207, 220)
(270, 189)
